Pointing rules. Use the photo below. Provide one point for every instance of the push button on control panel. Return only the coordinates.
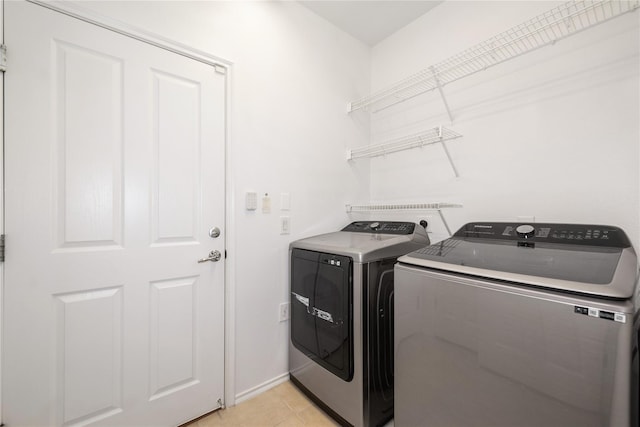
(525, 231)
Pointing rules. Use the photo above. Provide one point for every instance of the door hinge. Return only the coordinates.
(2, 247)
(3, 58)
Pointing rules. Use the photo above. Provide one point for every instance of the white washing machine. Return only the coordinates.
(341, 347)
(507, 324)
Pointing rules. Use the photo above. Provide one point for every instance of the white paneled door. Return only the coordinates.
(114, 177)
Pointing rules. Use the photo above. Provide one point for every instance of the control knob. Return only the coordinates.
(374, 225)
(525, 231)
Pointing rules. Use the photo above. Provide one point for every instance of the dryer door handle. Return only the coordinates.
(300, 298)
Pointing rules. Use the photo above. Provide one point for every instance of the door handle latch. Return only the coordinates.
(214, 256)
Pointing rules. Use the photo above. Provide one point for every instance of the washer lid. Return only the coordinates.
(586, 259)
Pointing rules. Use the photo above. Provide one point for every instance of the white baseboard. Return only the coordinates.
(261, 388)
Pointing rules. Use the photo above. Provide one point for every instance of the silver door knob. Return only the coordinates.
(214, 256)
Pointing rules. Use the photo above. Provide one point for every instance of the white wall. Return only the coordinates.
(292, 77)
(552, 134)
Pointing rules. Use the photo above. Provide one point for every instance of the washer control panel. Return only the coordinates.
(382, 227)
(576, 234)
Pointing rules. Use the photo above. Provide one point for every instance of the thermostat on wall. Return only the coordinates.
(251, 200)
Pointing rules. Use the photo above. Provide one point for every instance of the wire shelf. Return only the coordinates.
(402, 207)
(547, 28)
(431, 136)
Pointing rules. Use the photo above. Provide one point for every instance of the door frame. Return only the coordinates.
(1, 207)
(221, 65)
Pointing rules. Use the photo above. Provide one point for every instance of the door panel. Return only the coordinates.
(89, 331)
(114, 175)
(173, 338)
(176, 118)
(88, 146)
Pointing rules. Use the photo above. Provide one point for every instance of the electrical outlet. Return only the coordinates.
(284, 311)
(428, 219)
(285, 225)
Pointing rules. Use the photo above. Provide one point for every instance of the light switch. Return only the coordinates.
(285, 201)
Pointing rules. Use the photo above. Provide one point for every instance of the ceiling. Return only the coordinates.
(370, 21)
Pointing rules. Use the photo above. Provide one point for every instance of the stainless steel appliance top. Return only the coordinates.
(367, 241)
(593, 260)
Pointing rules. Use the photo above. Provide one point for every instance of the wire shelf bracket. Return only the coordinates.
(558, 23)
(444, 99)
(438, 134)
(406, 207)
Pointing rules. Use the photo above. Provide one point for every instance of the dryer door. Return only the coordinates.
(321, 309)
(378, 297)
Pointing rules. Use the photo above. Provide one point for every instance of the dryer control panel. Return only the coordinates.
(382, 227)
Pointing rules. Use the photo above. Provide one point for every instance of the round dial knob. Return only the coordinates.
(374, 225)
(525, 231)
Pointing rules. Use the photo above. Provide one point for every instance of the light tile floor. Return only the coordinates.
(282, 406)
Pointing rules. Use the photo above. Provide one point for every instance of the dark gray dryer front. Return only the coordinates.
(341, 347)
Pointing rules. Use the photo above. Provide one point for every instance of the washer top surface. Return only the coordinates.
(367, 241)
(596, 260)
